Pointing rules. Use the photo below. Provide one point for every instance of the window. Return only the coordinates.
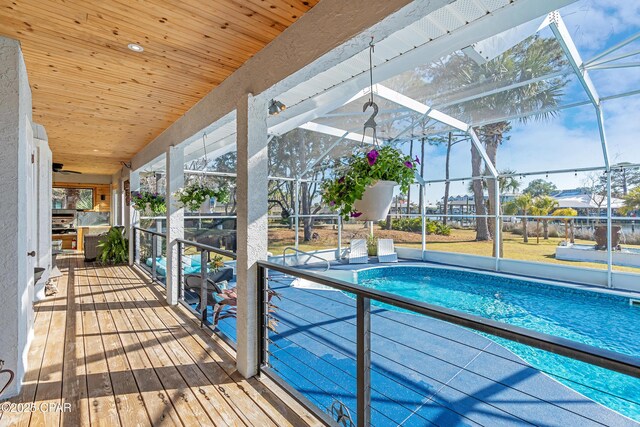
(72, 198)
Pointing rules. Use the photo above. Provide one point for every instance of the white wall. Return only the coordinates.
(15, 116)
(44, 199)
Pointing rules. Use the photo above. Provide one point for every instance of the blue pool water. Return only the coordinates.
(601, 320)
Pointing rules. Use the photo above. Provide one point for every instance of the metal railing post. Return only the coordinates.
(180, 283)
(363, 360)
(263, 321)
(154, 257)
(204, 259)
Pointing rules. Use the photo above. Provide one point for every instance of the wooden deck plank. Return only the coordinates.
(272, 411)
(49, 390)
(216, 402)
(110, 345)
(74, 378)
(160, 409)
(131, 408)
(102, 403)
(178, 391)
(35, 357)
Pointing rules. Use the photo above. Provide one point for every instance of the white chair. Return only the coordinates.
(386, 251)
(358, 253)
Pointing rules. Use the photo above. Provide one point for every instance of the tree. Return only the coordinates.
(449, 141)
(534, 57)
(297, 153)
(566, 212)
(596, 188)
(622, 177)
(540, 187)
(542, 207)
(631, 201)
(521, 205)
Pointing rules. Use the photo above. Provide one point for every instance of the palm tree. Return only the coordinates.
(521, 205)
(507, 183)
(458, 74)
(542, 206)
(567, 222)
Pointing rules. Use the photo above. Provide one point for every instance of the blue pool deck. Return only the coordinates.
(424, 371)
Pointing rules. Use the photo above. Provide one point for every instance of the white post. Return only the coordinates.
(339, 252)
(423, 214)
(132, 218)
(498, 229)
(296, 212)
(252, 198)
(175, 219)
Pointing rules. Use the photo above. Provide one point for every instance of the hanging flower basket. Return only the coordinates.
(194, 195)
(148, 204)
(376, 201)
(365, 191)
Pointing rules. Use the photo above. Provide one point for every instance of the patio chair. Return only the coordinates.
(215, 294)
(386, 251)
(358, 253)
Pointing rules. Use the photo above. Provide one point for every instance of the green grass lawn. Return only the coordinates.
(462, 241)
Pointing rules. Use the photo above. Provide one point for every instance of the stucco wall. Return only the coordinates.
(15, 115)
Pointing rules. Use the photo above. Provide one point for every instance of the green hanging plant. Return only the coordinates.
(194, 195)
(146, 201)
(115, 247)
(380, 164)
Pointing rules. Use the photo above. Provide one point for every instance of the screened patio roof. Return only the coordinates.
(419, 99)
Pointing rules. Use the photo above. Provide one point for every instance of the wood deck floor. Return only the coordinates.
(110, 346)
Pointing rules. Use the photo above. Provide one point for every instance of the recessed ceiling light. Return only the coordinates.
(135, 47)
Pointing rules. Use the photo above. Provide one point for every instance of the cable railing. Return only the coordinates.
(375, 358)
(208, 283)
(149, 248)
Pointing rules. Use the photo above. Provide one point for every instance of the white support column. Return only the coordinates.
(296, 213)
(423, 214)
(497, 233)
(132, 218)
(175, 219)
(252, 198)
(16, 280)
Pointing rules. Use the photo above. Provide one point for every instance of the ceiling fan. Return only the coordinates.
(58, 168)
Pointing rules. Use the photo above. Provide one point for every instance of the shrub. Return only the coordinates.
(414, 225)
(372, 246)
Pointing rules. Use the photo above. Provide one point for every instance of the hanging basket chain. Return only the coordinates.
(370, 123)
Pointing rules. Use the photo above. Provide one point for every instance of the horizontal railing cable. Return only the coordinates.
(523, 364)
(333, 345)
(596, 356)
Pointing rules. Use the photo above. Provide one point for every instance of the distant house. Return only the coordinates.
(584, 202)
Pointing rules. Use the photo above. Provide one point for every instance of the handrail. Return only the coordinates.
(202, 246)
(607, 359)
(155, 233)
(312, 255)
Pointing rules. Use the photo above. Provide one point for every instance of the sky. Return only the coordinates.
(571, 139)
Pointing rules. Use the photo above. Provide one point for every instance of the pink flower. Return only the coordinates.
(332, 203)
(417, 160)
(372, 156)
(408, 164)
(355, 214)
(341, 180)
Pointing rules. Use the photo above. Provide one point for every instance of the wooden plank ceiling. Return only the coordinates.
(99, 101)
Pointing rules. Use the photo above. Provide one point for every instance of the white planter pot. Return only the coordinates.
(208, 205)
(376, 201)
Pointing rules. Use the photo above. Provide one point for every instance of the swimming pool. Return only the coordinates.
(598, 319)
